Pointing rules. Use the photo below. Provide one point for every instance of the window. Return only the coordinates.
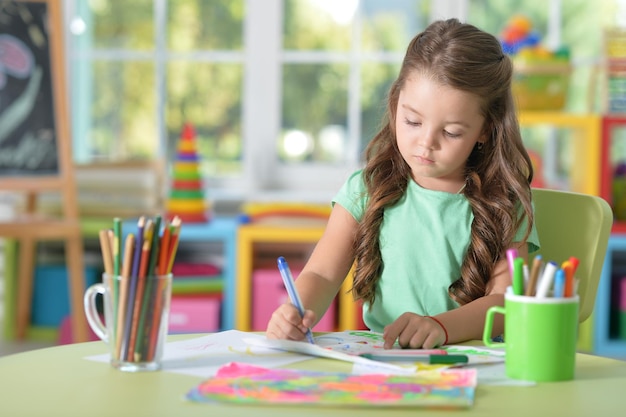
(283, 94)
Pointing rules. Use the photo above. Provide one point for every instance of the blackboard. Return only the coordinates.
(29, 135)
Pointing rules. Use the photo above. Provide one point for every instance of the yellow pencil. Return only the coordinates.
(107, 253)
(173, 246)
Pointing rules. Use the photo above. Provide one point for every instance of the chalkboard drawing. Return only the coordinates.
(15, 59)
(28, 134)
(36, 154)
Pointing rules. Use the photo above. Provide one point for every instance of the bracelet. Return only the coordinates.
(445, 331)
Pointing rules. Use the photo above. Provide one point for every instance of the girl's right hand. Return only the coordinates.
(286, 323)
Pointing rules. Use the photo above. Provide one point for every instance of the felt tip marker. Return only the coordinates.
(400, 353)
(429, 359)
(547, 278)
(511, 255)
(290, 285)
(559, 283)
(518, 276)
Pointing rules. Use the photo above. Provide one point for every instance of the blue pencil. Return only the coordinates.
(290, 285)
(134, 278)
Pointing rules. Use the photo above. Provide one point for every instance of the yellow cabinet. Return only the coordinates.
(250, 235)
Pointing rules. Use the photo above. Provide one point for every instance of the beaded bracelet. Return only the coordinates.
(445, 331)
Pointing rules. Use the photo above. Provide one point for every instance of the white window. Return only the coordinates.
(283, 94)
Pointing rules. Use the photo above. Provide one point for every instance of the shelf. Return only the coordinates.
(585, 144)
(609, 123)
(606, 343)
(222, 230)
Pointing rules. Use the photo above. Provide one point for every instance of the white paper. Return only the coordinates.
(203, 356)
(315, 350)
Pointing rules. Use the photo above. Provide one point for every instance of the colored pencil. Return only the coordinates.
(154, 252)
(140, 342)
(124, 280)
(132, 291)
(157, 314)
(164, 250)
(117, 264)
(107, 253)
(141, 280)
(173, 247)
(117, 248)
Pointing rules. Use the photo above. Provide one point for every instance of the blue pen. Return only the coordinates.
(290, 285)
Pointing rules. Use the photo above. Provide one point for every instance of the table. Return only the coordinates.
(58, 381)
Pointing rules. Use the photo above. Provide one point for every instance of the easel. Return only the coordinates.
(30, 227)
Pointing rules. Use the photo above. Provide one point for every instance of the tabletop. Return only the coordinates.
(59, 381)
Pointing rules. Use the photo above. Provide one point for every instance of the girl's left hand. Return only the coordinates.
(414, 331)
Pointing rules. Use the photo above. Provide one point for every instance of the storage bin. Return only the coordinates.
(622, 309)
(268, 292)
(51, 300)
(194, 314)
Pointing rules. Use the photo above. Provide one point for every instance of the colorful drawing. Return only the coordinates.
(246, 384)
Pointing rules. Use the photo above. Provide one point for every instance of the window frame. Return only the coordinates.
(263, 176)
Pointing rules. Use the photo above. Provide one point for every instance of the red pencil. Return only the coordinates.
(157, 314)
(164, 252)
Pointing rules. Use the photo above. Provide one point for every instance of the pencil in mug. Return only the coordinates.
(175, 237)
(107, 252)
(164, 250)
(141, 281)
(132, 290)
(140, 342)
(124, 280)
(155, 317)
(167, 253)
(116, 237)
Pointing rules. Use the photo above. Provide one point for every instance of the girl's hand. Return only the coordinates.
(414, 331)
(286, 323)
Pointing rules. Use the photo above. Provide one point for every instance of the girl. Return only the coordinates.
(444, 193)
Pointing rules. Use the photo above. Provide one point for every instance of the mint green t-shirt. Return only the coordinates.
(423, 240)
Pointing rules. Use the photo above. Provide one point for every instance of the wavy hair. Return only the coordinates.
(498, 173)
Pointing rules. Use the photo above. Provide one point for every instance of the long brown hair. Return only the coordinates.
(498, 173)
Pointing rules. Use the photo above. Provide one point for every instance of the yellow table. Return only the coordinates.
(58, 381)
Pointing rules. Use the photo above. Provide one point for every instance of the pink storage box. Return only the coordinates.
(268, 292)
(194, 314)
(65, 332)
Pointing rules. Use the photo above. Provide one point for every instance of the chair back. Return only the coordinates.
(574, 224)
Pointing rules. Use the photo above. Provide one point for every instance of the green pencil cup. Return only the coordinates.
(540, 337)
(136, 313)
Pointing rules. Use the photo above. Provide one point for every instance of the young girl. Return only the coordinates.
(444, 193)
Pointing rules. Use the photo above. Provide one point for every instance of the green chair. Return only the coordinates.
(574, 224)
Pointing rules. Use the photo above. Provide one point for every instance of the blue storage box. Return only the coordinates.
(51, 300)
